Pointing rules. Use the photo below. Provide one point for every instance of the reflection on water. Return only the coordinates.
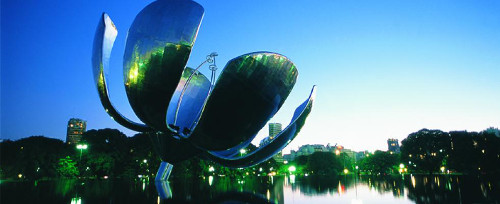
(290, 189)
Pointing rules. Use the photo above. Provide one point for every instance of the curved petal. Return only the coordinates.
(158, 47)
(249, 91)
(185, 107)
(280, 141)
(103, 43)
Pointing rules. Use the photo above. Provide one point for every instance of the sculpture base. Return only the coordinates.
(163, 189)
(164, 171)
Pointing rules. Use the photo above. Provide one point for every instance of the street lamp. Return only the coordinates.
(81, 147)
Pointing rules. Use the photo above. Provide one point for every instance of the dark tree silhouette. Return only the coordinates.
(427, 150)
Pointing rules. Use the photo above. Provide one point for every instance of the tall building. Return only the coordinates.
(393, 145)
(274, 129)
(76, 128)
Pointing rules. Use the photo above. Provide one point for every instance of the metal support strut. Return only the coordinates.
(164, 171)
(213, 67)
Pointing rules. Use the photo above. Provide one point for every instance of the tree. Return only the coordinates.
(33, 157)
(323, 163)
(464, 156)
(67, 168)
(426, 150)
(380, 162)
(488, 149)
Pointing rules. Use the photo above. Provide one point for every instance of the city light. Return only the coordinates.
(291, 168)
(81, 147)
(346, 171)
(210, 180)
(145, 161)
(76, 200)
(211, 169)
(337, 152)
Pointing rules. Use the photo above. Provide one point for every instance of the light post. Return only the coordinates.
(81, 147)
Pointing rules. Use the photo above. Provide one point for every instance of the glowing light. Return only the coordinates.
(76, 200)
(292, 179)
(401, 165)
(145, 161)
(291, 168)
(442, 169)
(413, 182)
(346, 171)
(81, 146)
(210, 180)
(211, 169)
(357, 167)
(337, 152)
(20, 175)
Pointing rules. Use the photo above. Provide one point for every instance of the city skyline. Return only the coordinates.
(383, 69)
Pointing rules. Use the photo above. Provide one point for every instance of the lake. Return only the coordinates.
(277, 189)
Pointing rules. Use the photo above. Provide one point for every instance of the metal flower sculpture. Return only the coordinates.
(184, 113)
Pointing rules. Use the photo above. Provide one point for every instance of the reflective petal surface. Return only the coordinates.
(280, 141)
(249, 91)
(103, 43)
(158, 46)
(184, 111)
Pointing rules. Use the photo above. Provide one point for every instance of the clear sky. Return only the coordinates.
(384, 69)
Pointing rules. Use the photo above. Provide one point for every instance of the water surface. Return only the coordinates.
(284, 189)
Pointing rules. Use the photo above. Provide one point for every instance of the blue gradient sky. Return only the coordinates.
(384, 68)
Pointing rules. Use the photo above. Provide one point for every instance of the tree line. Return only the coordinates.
(112, 154)
(430, 151)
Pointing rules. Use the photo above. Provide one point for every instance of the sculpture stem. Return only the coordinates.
(164, 171)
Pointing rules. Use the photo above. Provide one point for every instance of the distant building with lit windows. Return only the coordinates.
(76, 128)
(274, 129)
(393, 145)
